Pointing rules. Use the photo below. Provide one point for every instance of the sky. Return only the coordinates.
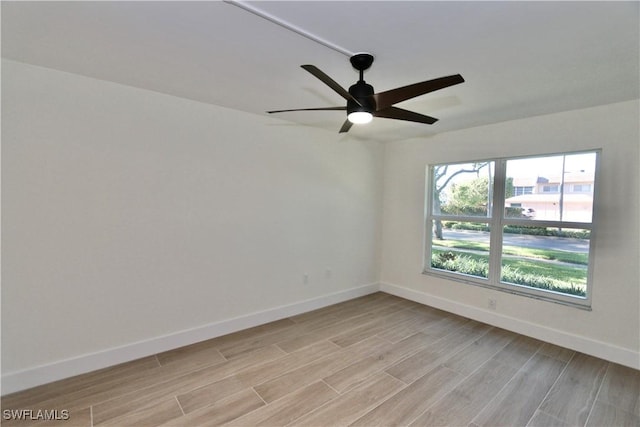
(546, 166)
(551, 166)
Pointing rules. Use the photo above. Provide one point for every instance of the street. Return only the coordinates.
(522, 240)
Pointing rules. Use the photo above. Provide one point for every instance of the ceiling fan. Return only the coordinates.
(363, 104)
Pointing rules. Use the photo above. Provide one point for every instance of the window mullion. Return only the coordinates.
(495, 248)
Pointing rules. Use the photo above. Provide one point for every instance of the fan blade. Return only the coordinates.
(345, 126)
(310, 109)
(330, 82)
(393, 96)
(400, 114)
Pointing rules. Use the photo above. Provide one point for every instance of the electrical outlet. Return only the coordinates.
(492, 304)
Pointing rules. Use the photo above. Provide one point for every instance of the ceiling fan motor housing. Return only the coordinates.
(363, 93)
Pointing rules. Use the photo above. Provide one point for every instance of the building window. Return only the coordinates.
(482, 230)
(581, 188)
(519, 191)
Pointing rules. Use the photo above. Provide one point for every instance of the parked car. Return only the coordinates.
(528, 212)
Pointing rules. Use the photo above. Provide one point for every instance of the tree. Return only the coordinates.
(440, 181)
(509, 191)
(468, 198)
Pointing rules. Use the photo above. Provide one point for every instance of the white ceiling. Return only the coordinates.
(519, 59)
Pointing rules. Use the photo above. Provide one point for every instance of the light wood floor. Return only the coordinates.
(376, 360)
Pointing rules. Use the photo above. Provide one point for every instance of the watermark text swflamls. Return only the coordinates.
(36, 414)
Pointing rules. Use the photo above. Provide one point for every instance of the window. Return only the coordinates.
(518, 191)
(582, 188)
(482, 230)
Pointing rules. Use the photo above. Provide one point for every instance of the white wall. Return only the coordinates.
(130, 215)
(612, 329)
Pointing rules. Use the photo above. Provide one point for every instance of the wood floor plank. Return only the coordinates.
(518, 351)
(377, 325)
(236, 348)
(415, 366)
(304, 333)
(479, 351)
(541, 419)
(230, 340)
(209, 394)
(314, 371)
(406, 328)
(81, 397)
(604, 414)
(410, 402)
(346, 309)
(517, 402)
(571, 397)
(289, 408)
(220, 412)
(152, 415)
(351, 405)
(460, 405)
(143, 397)
(355, 373)
(557, 352)
(192, 359)
(253, 376)
(40, 395)
(444, 326)
(621, 388)
(329, 332)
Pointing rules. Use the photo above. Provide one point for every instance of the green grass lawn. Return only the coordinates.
(564, 273)
(543, 254)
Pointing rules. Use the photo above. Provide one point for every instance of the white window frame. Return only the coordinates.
(497, 222)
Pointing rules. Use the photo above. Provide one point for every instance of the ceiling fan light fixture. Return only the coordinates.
(360, 117)
(363, 103)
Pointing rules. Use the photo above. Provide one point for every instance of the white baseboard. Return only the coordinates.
(578, 343)
(21, 380)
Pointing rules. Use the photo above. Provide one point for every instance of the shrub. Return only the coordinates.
(577, 234)
(470, 226)
(480, 268)
(460, 263)
(513, 212)
(513, 275)
(446, 256)
(526, 229)
(543, 231)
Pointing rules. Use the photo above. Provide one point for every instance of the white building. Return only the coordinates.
(545, 196)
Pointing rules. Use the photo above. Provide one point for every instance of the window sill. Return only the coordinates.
(548, 296)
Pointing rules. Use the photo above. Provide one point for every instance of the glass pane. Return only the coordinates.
(464, 189)
(546, 258)
(461, 247)
(552, 188)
